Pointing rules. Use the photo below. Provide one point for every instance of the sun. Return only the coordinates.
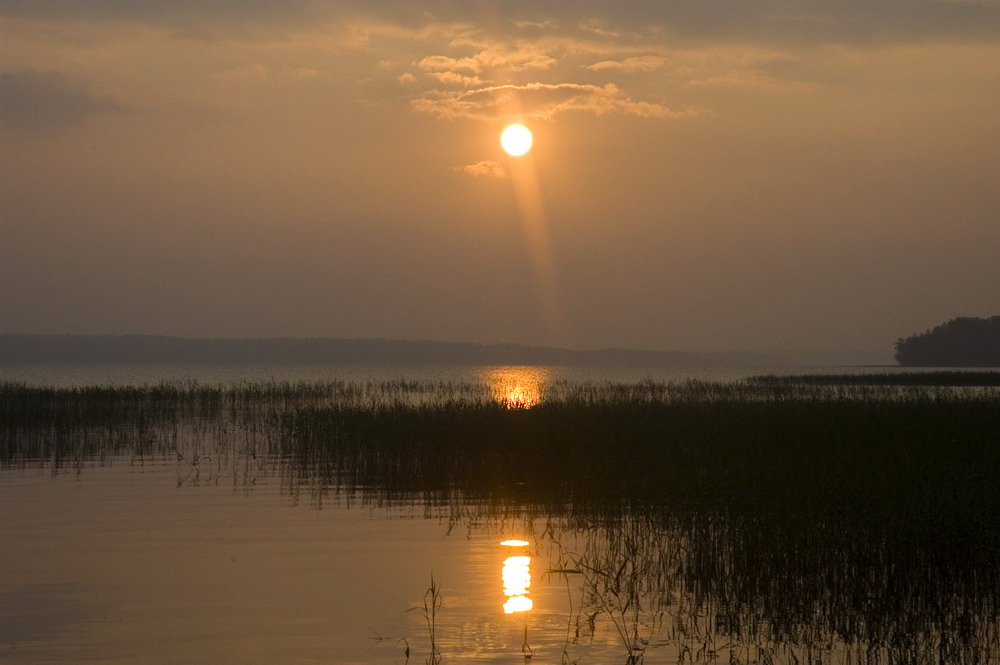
(516, 140)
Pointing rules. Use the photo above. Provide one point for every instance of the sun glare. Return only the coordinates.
(516, 387)
(516, 140)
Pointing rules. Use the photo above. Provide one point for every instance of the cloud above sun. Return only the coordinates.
(535, 70)
(639, 63)
(545, 101)
(455, 62)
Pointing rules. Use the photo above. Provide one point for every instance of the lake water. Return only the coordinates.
(192, 551)
(117, 564)
(139, 374)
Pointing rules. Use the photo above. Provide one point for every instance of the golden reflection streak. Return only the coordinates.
(516, 578)
(513, 542)
(517, 387)
(527, 192)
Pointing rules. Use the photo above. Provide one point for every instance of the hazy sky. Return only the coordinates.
(770, 176)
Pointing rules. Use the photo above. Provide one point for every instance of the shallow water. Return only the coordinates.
(118, 564)
(128, 563)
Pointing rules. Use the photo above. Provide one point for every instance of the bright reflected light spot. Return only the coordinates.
(518, 561)
(513, 542)
(516, 576)
(517, 604)
(520, 397)
(516, 140)
(517, 387)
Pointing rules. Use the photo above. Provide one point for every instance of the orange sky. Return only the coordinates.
(777, 177)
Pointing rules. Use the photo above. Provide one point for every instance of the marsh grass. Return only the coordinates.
(920, 458)
(430, 606)
(923, 458)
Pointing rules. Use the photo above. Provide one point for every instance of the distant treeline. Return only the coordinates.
(103, 349)
(964, 378)
(961, 342)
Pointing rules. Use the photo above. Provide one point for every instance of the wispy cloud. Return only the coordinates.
(600, 28)
(494, 56)
(640, 63)
(453, 78)
(443, 63)
(752, 79)
(484, 169)
(505, 73)
(540, 100)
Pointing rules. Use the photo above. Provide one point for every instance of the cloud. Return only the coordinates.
(539, 100)
(485, 168)
(453, 78)
(598, 28)
(515, 57)
(34, 100)
(442, 63)
(752, 79)
(537, 25)
(640, 63)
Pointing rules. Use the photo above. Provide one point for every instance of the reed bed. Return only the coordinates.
(710, 586)
(922, 457)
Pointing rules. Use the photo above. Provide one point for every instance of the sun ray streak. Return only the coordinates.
(534, 223)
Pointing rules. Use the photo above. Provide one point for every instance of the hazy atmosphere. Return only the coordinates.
(772, 177)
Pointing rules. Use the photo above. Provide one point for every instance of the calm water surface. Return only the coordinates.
(126, 374)
(118, 564)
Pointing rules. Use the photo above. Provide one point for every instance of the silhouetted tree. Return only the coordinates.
(961, 342)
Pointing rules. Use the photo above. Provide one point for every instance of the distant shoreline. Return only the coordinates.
(16, 349)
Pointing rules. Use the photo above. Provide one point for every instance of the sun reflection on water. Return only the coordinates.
(516, 577)
(517, 387)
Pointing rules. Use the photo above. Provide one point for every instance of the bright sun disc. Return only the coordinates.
(516, 140)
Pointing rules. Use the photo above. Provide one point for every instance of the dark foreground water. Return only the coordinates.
(297, 525)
